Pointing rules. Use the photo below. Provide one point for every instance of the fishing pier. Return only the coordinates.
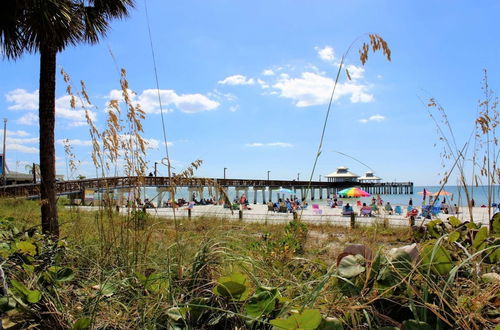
(261, 188)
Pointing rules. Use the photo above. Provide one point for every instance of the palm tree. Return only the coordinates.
(48, 27)
(34, 170)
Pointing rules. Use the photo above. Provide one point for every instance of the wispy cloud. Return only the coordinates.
(268, 72)
(376, 118)
(20, 144)
(75, 142)
(18, 133)
(187, 103)
(237, 79)
(270, 144)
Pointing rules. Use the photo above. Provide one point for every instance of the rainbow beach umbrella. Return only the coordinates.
(353, 192)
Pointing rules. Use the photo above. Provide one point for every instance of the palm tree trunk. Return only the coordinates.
(47, 112)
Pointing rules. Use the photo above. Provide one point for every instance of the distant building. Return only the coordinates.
(13, 177)
(342, 175)
(369, 178)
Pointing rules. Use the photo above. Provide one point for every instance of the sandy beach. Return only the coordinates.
(260, 213)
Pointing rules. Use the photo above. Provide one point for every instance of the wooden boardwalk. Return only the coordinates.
(78, 186)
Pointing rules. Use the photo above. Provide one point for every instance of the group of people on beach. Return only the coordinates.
(287, 205)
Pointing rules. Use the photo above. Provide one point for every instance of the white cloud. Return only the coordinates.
(187, 103)
(270, 144)
(326, 53)
(75, 142)
(356, 72)
(376, 118)
(268, 72)
(21, 140)
(237, 79)
(234, 108)
(22, 99)
(21, 148)
(218, 95)
(262, 83)
(28, 119)
(78, 124)
(21, 144)
(18, 133)
(315, 89)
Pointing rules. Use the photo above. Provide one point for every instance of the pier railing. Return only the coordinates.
(74, 186)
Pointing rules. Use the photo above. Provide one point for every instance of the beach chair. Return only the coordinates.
(426, 211)
(397, 210)
(436, 210)
(316, 209)
(366, 212)
(412, 213)
(190, 206)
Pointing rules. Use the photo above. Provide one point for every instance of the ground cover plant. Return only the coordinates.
(211, 273)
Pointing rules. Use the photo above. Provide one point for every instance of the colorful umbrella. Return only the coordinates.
(442, 193)
(353, 192)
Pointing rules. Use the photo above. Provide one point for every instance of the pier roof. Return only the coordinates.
(342, 172)
(369, 176)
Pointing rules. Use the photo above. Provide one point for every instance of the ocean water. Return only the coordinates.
(479, 194)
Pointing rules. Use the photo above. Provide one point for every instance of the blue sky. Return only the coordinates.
(246, 84)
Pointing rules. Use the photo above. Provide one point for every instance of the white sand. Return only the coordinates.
(260, 213)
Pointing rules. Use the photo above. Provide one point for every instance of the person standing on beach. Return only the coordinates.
(410, 202)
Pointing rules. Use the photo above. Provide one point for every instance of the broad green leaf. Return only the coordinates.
(232, 286)
(6, 304)
(454, 236)
(481, 236)
(29, 268)
(432, 228)
(26, 248)
(64, 274)
(82, 324)
(177, 313)
(156, 282)
(454, 221)
(440, 263)
(34, 296)
(415, 325)
(494, 256)
(262, 302)
(20, 287)
(471, 225)
(309, 319)
(496, 223)
(351, 266)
